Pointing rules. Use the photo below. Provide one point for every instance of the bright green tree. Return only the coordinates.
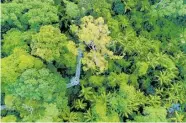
(15, 39)
(26, 14)
(13, 65)
(51, 45)
(38, 95)
(152, 114)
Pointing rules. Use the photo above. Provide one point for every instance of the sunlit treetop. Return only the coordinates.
(16, 39)
(51, 45)
(47, 43)
(13, 65)
(94, 34)
(152, 114)
(9, 118)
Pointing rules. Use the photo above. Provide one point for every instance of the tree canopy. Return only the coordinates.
(93, 61)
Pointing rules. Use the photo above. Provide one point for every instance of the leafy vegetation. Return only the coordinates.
(93, 61)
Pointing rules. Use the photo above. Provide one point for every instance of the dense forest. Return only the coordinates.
(93, 60)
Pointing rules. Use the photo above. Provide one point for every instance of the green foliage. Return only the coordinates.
(178, 117)
(169, 8)
(132, 99)
(87, 93)
(51, 113)
(45, 43)
(101, 8)
(72, 9)
(38, 94)
(119, 7)
(15, 39)
(152, 114)
(97, 80)
(115, 79)
(79, 104)
(133, 61)
(9, 118)
(142, 68)
(13, 65)
(50, 45)
(28, 14)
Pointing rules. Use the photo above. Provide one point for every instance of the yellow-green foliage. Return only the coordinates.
(47, 43)
(15, 39)
(9, 118)
(51, 45)
(93, 60)
(142, 68)
(13, 65)
(94, 34)
(152, 114)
